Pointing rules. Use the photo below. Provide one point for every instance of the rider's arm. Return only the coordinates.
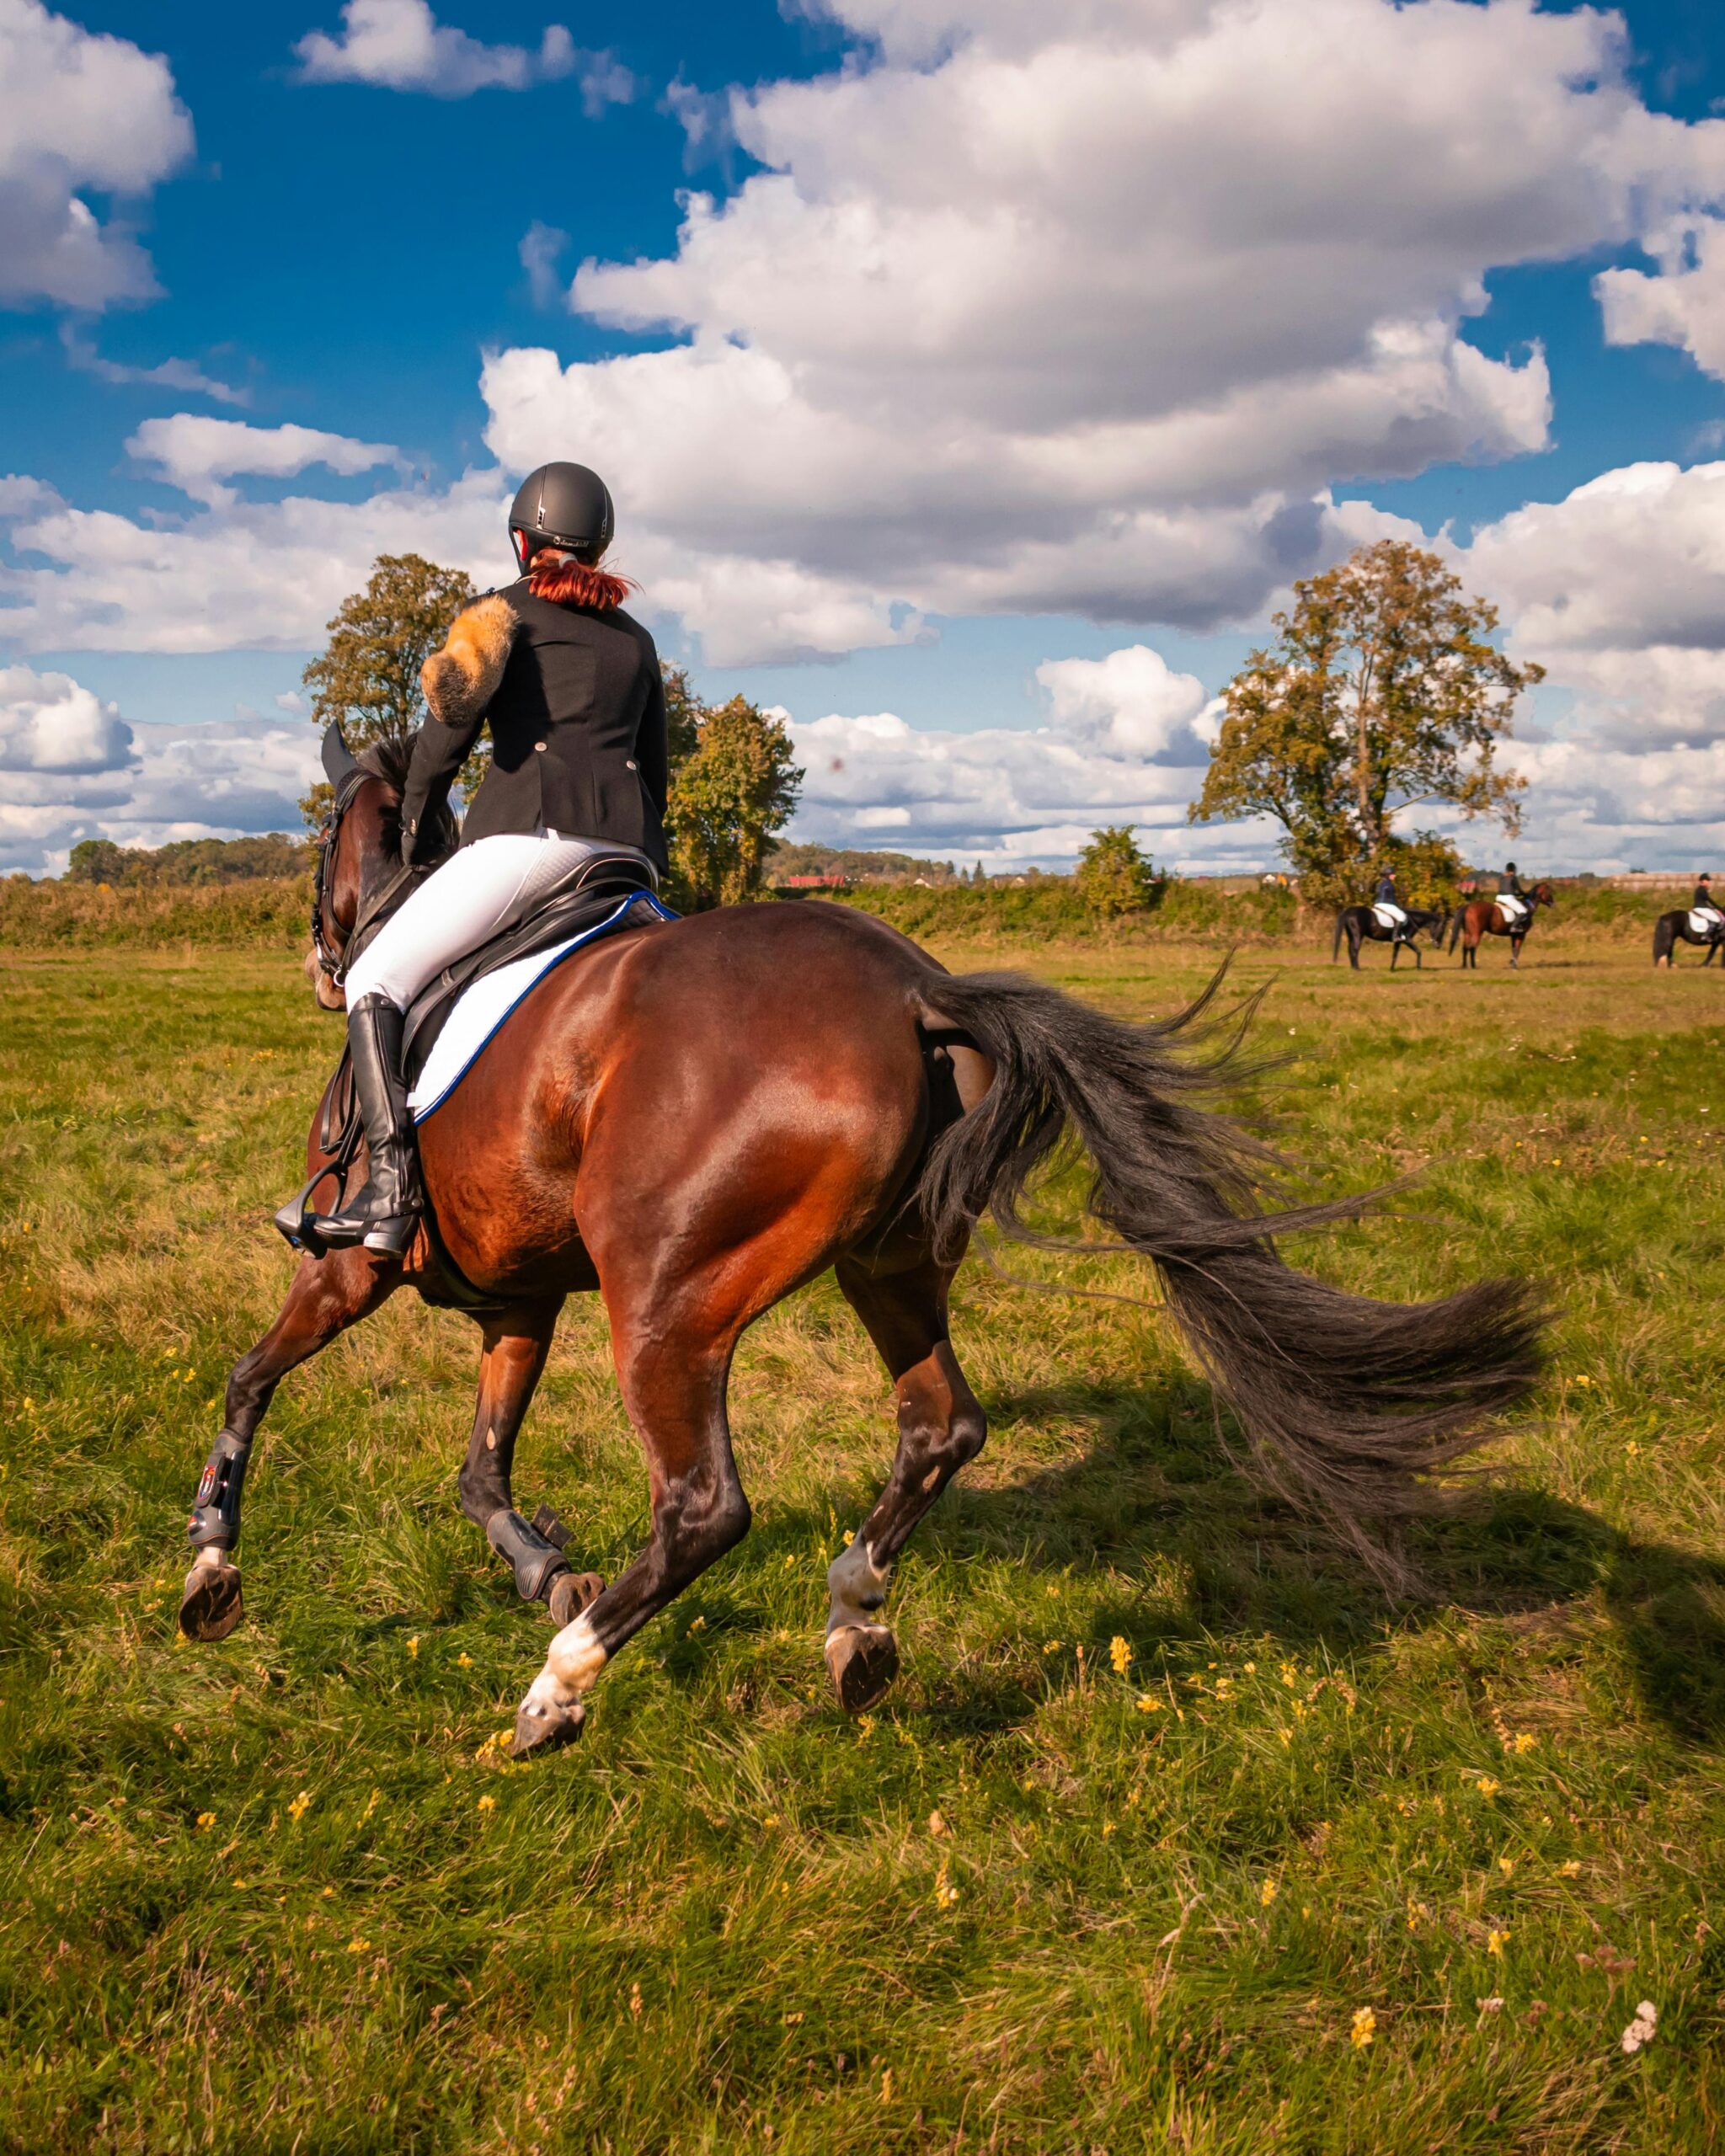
(652, 748)
(459, 682)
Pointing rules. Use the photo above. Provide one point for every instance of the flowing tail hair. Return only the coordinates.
(1344, 1403)
(1665, 938)
(1336, 948)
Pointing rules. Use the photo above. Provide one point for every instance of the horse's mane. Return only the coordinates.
(388, 758)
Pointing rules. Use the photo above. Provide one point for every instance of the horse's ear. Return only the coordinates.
(340, 762)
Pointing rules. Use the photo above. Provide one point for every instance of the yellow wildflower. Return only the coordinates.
(1148, 1704)
(488, 1804)
(1572, 1868)
(1417, 1914)
(946, 1895)
(1487, 1786)
(1365, 2027)
(1266, 1893)
(464, 1661)
(1506, 1864)
(1120, 1654)
(414, 1647)
(301, 1805)
(358, 1946)
(1496, 1941)
(206, 1820)
(1524, 1742)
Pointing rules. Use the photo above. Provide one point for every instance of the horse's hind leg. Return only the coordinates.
(941, 1428)
(327, 1295)
(511, 1364)
(672, 1366)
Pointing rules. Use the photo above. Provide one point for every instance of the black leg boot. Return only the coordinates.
(384, 1215)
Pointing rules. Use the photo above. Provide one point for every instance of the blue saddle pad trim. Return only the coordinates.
(553, 958)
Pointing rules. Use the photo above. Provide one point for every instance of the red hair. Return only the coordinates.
(566, 582)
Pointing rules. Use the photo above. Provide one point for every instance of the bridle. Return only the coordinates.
(373, 911)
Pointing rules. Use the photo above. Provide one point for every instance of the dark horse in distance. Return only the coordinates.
(695, 1119)
(1671, 929)
(1360, 925)
(1486, 917)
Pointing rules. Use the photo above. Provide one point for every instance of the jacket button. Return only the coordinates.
(540, 745)
(629, 764)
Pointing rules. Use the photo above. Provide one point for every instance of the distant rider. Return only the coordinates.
(1386, 897)
(1509, 886)
(1704, 901)
(571, 687)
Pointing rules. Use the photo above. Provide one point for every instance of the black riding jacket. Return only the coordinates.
(577, 733)
(1511, 887)
(1704, 896)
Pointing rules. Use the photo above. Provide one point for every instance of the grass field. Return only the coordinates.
(1173, 1834)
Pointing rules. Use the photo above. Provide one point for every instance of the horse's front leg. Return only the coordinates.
(516, 1344)
(327, 1295)
(1515, 952)
(942, 1429)
(672, 1363)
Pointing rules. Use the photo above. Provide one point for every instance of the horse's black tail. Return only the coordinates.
(1344, 1402)
(1458, 921)
(1665, 938)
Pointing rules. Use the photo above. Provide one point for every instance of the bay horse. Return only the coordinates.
(1671, 929)
(1360, 924)
(1483, 917)
(694, 1119)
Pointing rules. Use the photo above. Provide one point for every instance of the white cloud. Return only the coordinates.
(185, 375)
(195, 453)
(1683, 305)
(78, 114)
(1132, 703)
(50, 724)
(399, 44)
(1085, 307)
(71, 768)
(233, 575)
(1619, 590)
(540, 246)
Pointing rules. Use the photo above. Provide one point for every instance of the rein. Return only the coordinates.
(374, 911)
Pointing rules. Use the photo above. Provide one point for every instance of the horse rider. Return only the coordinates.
(1389, 901)
(1705, 902)
(579, 765)
(1510, 887)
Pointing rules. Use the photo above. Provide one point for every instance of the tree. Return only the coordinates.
(1384, 693)
(1114, 877)
(368, 673)
(729, 794)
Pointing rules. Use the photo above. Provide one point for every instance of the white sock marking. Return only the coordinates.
(856, 1587)
(572, 1666)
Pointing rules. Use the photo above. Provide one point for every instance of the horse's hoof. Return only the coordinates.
(545, 1729)
(861, 1661)
(212, 1604)
(571, 1592)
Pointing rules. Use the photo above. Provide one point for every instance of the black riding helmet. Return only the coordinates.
(561, 505)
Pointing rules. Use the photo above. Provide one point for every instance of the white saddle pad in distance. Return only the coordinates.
(1389, 916)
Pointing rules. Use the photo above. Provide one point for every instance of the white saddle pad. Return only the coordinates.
(1389, 916)
(483, 1007)
(1704, 920)
(1511, 909)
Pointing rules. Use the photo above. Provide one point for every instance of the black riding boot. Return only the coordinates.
(384, 1213)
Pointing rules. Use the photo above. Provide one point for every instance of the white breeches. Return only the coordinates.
(479, 891)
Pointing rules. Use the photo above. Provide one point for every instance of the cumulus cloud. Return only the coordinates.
(399, 44)
(232, 575)
(1619, 591)
(195, 454)
(184, 375)
(1085, 307)
(78, 115)
(1683, 305)
(71, 768)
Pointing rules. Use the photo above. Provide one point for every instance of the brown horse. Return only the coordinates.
(696, 1118)
(1484, 917)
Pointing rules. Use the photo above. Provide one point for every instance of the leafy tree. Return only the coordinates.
(1383, 692)
(729, 794)
(1114, 877)
(368, 673)
(683, 713)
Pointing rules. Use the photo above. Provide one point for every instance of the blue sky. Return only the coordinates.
(972, 376)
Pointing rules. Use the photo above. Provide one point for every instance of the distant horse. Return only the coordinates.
(1360, 924)
(1671, 929)
(1484, 917)
(697, 1119)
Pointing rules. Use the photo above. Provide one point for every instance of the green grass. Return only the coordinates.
(284, 1895)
